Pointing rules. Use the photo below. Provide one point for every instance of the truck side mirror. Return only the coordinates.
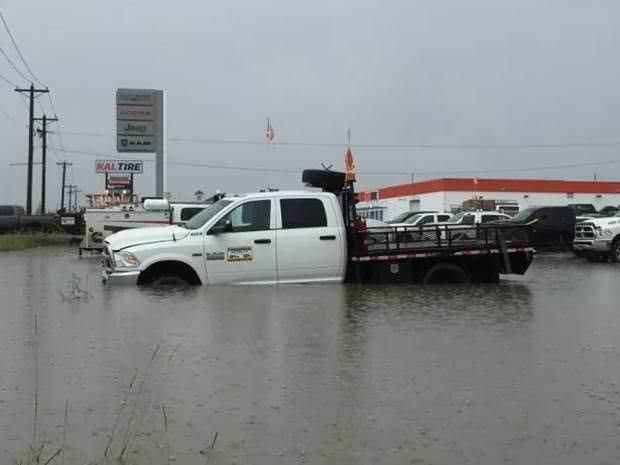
(221, 227)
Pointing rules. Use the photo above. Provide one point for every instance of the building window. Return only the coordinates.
(374, 195)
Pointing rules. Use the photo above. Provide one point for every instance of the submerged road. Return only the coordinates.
(523, 372)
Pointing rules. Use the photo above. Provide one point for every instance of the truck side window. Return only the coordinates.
(188, 213)
(302, 213)
(468, 219)
(250, 216)
(426, 219)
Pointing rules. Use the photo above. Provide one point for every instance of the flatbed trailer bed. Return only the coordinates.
(446, 253)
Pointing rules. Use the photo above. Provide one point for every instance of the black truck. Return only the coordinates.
(551, 227)
(14, 218)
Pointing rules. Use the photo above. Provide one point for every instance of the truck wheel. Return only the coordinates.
(168, 273)
(328, 180)
(446, 273)
(614, 253)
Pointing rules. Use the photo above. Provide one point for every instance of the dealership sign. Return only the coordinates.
(119, 166)
(139, 120)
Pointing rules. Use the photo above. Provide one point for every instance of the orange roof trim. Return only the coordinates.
(496, 185)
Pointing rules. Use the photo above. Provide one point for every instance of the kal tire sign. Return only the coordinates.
(119, 166)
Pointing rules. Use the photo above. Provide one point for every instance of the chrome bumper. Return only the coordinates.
(120, 277)
(596, 245)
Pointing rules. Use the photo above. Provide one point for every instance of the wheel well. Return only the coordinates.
(169, 268)
(446, 272)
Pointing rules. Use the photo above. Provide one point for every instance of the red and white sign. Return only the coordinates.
(119, 180)
(119, 166)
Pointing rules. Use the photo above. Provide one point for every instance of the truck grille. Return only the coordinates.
(584, 231)
(107, 260)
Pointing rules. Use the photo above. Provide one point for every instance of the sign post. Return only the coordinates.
(141, 128)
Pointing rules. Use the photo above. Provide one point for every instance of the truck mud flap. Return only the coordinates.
(519, 262)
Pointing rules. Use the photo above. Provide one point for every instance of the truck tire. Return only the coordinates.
(614, 253)
(168, 273)
(446, 273)
(328, 180)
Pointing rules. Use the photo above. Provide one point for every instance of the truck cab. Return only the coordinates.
(261, 238)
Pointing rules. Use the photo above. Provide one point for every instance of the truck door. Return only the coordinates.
(241, 246)
(309, 242)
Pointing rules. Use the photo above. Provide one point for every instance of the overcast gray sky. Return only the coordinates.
(436, 72)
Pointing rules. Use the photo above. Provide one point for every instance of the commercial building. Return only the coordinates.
(448, 194)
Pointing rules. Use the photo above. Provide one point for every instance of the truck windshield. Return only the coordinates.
(413, 219)
(201, 218)
(400, 218)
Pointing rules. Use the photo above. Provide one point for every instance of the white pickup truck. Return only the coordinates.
(268, 237)
(305, 236)
(598, 238)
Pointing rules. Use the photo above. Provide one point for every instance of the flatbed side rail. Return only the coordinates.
(438, 239)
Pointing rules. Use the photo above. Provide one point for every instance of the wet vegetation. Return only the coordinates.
(29, 240)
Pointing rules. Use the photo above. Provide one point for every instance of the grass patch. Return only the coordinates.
(22, 241)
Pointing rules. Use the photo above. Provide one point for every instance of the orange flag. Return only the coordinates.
(349, 165)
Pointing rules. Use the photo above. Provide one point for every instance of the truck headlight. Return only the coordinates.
(598, 230)
(126, 260)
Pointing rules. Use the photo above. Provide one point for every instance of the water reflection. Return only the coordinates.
(316, 374)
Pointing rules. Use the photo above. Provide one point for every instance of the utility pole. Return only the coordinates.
(70, 188)
(75, 191)
(64, 177)
(32, 91)
(43, 133)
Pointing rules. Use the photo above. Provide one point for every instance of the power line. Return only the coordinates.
(529, 146)
(367, 173)
(87, 134)
(9, 82)
(21, 56)
(405, 146)
(6, 56)
(59, 127)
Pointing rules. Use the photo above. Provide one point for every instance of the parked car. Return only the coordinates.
(411, 229)
(14, 218)
(550, 226)
(476, 217)
(421, 219)
(471, 218)
(598, 238)
(404, 217)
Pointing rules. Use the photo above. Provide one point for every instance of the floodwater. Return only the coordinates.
(524, 372)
